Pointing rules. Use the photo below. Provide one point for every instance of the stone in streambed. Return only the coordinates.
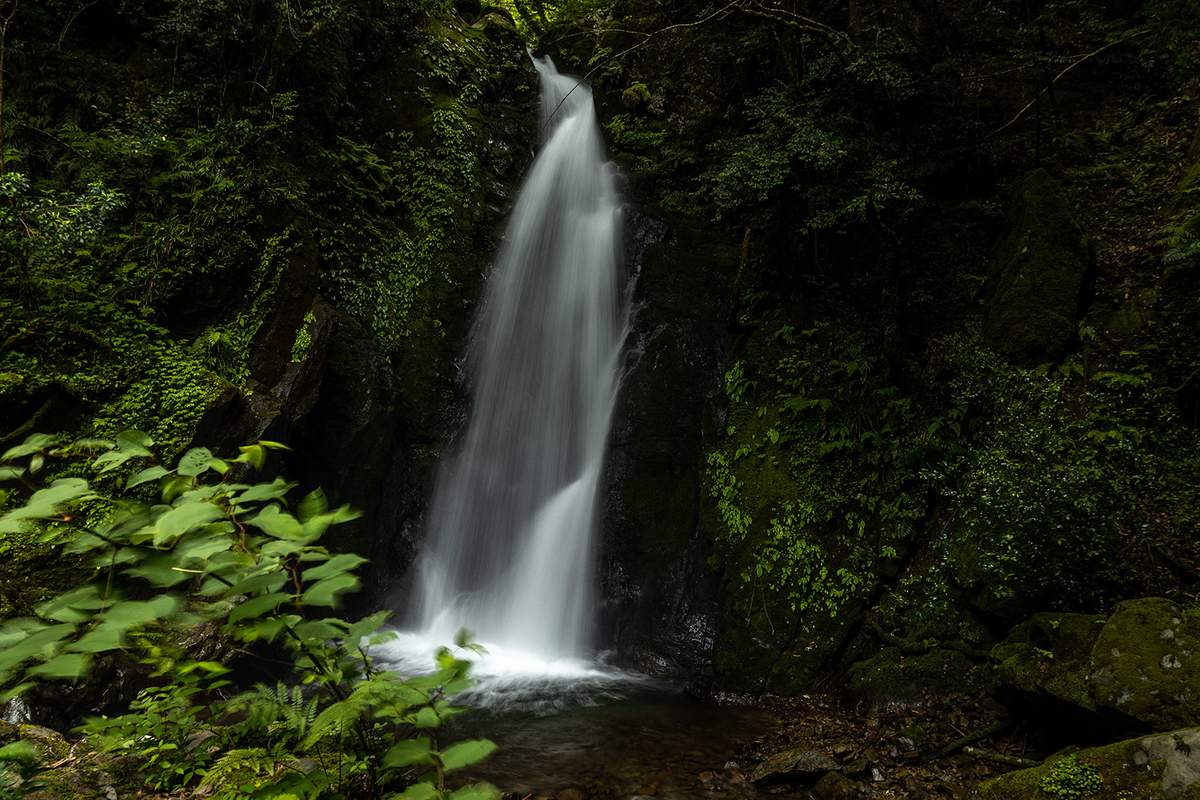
(793, 761)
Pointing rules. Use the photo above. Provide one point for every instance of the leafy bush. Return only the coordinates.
(210, 548)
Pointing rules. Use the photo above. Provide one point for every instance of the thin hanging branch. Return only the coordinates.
(1051, 83)
(5, 21)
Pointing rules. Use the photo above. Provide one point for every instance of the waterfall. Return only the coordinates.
(509, 551)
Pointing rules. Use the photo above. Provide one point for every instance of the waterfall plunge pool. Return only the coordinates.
(579, 728)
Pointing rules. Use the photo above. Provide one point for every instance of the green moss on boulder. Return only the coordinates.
(1037, 273)
(1146, 663)
(1141, 665)
(1163, 766)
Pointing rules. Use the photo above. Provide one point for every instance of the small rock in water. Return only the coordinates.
(835, 786)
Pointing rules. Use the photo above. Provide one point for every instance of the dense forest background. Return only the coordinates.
(915, 347)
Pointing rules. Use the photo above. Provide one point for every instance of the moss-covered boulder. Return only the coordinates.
(1166, 765)
(1046, 660)
(1146, 664)
(1037, 273)
(1140, 666)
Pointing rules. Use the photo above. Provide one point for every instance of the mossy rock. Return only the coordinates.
(892, 677)
(1166, 765)
(1037, 273)
(1140, 666)
(1146, 664)
(1048, 658)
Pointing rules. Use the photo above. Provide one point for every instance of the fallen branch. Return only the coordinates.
(954, 747)
(1000, 758)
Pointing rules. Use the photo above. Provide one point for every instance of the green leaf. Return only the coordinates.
(477, 791)
(181, 519)
(408, 752)
(38, 642)
(427, 718)
(72, 606)
(326, 592)
(19, 752)
(195, 462)
(279, 524)
(145, 476)
(459, 755)
(338, 565)
(365, 627)
(257, 606)
(46, 503)
(67, 665)
(11, 473)
(418, 791)
(33, 443)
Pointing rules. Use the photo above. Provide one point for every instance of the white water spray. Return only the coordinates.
(510, 552)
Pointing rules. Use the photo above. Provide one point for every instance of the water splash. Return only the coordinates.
(510, 551)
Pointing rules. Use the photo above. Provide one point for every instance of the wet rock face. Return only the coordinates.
(1037, 274)
(659, 607)
(1166, 765)
(1142, 665)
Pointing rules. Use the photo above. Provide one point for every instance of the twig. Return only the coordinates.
(999, 758)
(954, 747)
(1059, 75)
(649, 36)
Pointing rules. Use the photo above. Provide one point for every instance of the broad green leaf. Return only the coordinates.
(73, 606)
(206, 542)
(339, 564)
(67, 665)
(279, 524)
(257, 606)
(272, 580)
(33, 443)
(39, 644)
(365, 627)
(145, 476)
(477, 791)
(46, 503)
(100, 640)
(194, 462)
(11, 473)
(180, 520)
(459, 755)
(427, 718)
(19, 752)
(159, 569)
(321, 629)
(418, 791)
(260, 492)
(326, 592)
(408, 752)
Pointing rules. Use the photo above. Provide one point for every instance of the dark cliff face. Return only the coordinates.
(838, 439)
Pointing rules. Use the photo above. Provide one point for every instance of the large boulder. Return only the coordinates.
(1140, 666)
(1037, 273)
(1164, 765)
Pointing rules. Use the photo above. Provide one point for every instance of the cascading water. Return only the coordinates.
(509, 550)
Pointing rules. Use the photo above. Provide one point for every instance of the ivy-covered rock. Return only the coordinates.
(1163, 766)
(1037, 273)
(1141, 665)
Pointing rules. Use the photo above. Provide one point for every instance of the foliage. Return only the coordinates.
(210, 548)
(1069, 779)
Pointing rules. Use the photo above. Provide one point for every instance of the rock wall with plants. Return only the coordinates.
(225, 221)
(923, 313)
